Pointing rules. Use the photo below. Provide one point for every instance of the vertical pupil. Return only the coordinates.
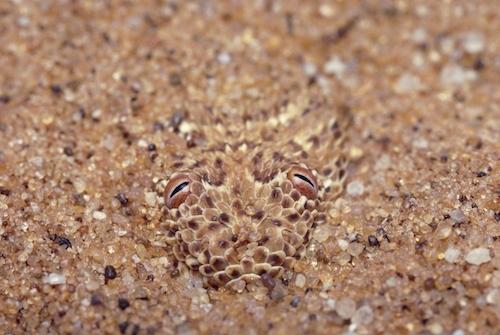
(179, 188)
(304, 178)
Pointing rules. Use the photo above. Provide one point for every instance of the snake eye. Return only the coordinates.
(177, 191)
(304, 181)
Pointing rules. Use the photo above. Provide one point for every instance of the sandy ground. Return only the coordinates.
(87, 88)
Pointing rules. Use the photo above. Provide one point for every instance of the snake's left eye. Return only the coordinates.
(177, 190)
(304, 181)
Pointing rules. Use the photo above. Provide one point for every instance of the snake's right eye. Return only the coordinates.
(177, 190)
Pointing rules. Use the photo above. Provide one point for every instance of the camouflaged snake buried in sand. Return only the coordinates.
(242, 201)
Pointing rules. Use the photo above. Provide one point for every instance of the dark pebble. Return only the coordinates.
(62, 241)
(158, 126)
(110, 272)
(479, 64)
(481, 174)
(420, 245)
(68, 151)
(135, 330)
(56, 89)
(372, 241)
(151, 147)
(95, 300)
(79, 199)
(123, 303)
(429, 284)
(122, 199)
(4, 191)
(5, 99)
(497, 216)
(176, 120)
(174, 79)
(295, 301)
(123, 327)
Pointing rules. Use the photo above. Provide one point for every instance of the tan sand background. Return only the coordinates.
(86, 88)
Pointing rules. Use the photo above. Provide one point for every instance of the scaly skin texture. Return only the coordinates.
(243, 217)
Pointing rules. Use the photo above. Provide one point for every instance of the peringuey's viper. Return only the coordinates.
(242, 199)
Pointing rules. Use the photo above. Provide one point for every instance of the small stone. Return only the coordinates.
(295, 301)
(493, 297)
(473, 43)
(151, 147)
(408, 83)
(37, 161)
(343, 244)
(5, 191)
(345, 308)
(478, 256)
(420, 143)
(383, 163)
(309, 69)
(355, 188)
(330, 304)
(356, 153)
(110, 272)
(458, 332)
(363, 316)
(457, 216)
(335, 66)
(68, 151)
(429, 284)
(122, 326)
(392, 281)
(174, 79)
(453, 74)
(79, 185)
(322, 233)
(150, 198)
(54, 279)
(326, 11)
(92, 285)
(444, 230)
(123, 303)
(122, 199)
(224, 58)
(300, 280)
(435, 328)
(355, 249)
(419, 36)
(451, 255)
(98, 215)
(373, 241)
(96, 114)
(95, 300)
(279, 291)
(495, 281)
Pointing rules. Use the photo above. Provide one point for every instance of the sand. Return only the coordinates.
(90, 92)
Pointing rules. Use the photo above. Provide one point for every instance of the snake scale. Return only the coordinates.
(242, 195)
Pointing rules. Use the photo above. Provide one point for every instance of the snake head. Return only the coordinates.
(242, 207)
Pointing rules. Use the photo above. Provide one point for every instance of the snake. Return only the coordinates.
(242, 195)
